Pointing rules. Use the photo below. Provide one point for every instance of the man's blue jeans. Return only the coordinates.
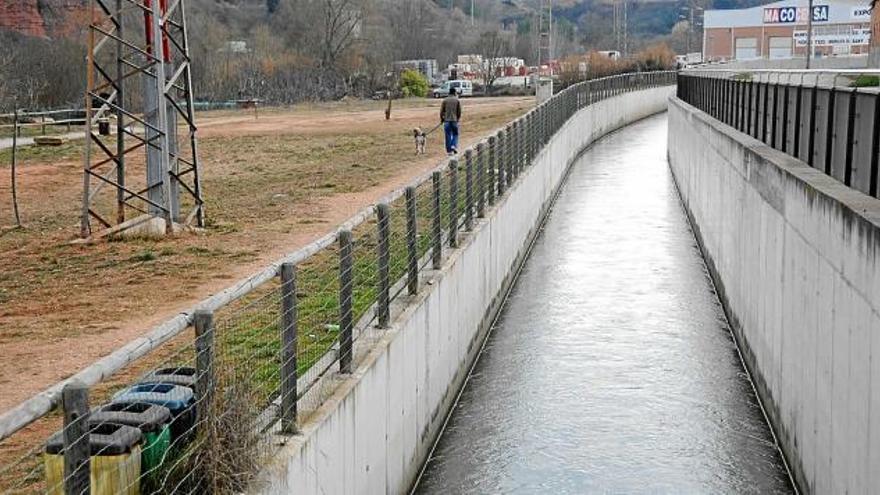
(451, 130)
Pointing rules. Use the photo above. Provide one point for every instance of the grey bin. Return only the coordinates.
(151, 419)
(184, 376)
(179, 400)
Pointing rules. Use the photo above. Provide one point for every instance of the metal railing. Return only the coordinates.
(832, 129)
(253, 361)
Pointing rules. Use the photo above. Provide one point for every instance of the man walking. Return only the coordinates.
(450, 114)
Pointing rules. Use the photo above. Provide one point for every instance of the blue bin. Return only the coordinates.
(184, 376)
(179, 400)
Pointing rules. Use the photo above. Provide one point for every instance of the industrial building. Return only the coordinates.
(779, 30)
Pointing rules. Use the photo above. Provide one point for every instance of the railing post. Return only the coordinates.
(510, 148)
(501, 161)
(829, 125)
(490, 169)
(875, 149)
(288, 348)
(411, 246)
(453, 203)
(469, 190)
(850, 135)
(436, 227)
(203, 324)
(811, 135)
(76, 438)
(383, 258)
(346, 289)
(481, 180)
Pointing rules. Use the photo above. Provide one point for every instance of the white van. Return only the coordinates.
(462, 88)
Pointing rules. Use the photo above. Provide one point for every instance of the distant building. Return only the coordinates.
(612, 54)
(234, 47)
(427, 66)
(779, 30)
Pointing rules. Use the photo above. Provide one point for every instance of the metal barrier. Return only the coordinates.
(246, 365)
(833, 129)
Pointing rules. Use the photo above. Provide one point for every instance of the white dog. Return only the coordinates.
(420, 139)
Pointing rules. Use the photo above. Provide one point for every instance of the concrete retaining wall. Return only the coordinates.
(376, 430)
(796, 259)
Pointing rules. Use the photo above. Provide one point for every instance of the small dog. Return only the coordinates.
(420, 139)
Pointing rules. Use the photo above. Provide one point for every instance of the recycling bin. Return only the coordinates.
(151, 419)
(184, 376)
(115, 463)
(179, 401)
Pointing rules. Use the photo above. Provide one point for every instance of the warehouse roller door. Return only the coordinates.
(746, 48)
(780, 47)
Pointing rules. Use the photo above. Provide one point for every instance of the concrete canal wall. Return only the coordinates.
(795, 256)
(374, 433)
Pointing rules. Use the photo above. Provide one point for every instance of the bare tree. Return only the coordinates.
(494, 48)
(341, 22)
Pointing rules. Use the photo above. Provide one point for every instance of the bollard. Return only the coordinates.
(453, 203)
(346, 289)
(490, 168)
(481, 180)
(437, 228)
(203, 323)
(288, 348)
(411, 239)
(469, 190)
(77, 448)
(383, 225)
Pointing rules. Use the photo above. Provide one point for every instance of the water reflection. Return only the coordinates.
(611, 369)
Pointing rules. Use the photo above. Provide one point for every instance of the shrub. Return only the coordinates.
(865, 81)
(413, 83)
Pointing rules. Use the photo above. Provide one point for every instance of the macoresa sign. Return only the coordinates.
(794, 15)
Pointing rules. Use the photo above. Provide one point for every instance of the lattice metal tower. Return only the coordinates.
(139, 72)
(545, 33)
(620, 26)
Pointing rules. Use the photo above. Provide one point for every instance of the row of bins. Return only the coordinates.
(131, 436)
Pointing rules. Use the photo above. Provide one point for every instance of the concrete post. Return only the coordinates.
(411, 246)
(288, 348)
(453, 203)
(77, 448)
(383, 226)
(203, 322)
(436, 228)
(346, 289)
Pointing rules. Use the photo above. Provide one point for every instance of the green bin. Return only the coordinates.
(153, 421)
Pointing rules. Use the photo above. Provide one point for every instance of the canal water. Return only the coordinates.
(611, 368)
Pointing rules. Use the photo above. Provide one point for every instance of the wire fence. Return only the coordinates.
(831, 128)
(211, 405)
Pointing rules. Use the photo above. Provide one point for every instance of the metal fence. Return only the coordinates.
(238, 377)
(831, 128)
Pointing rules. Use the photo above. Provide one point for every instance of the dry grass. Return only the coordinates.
(272, 184)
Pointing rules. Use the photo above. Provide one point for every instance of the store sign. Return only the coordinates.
(861, 13)
(794, 15)
(860, 36)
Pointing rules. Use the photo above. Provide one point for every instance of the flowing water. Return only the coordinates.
(611, 368)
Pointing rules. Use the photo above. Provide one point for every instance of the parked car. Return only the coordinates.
(462, 88)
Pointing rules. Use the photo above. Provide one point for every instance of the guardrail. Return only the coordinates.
(253, 360)
(833, 129)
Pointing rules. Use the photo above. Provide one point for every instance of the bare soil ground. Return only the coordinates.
(272, 184)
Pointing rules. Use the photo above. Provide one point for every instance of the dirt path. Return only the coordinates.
(273, 184)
